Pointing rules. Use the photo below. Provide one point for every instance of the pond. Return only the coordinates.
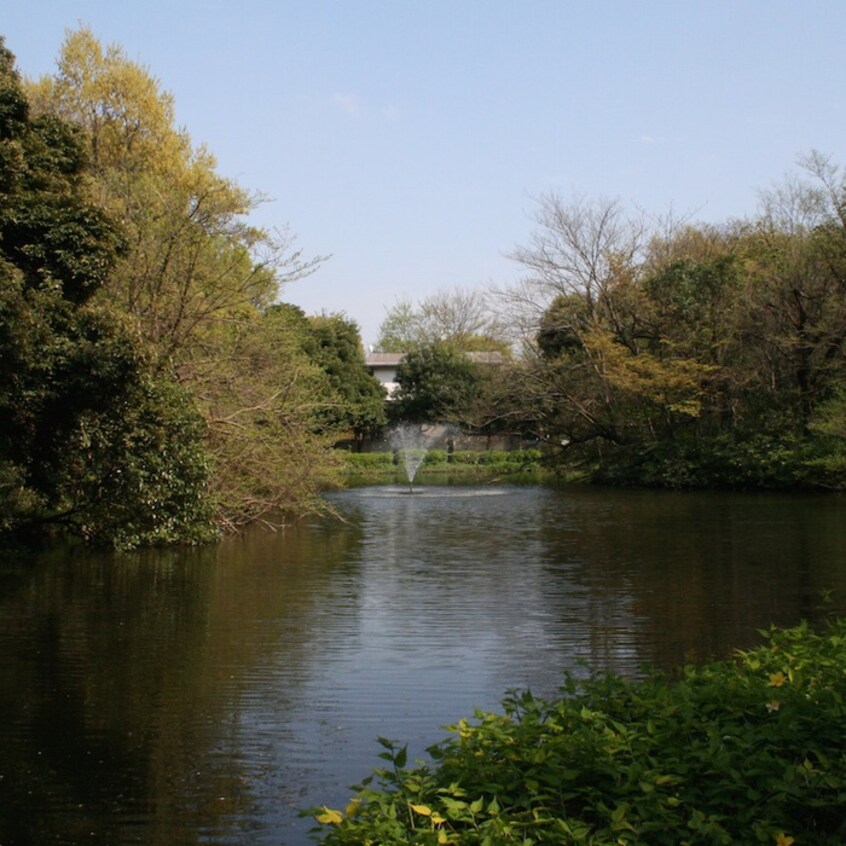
(205, 696)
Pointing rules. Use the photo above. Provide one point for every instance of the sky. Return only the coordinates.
(409, 140)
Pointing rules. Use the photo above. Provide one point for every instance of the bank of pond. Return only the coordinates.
(438, 465)
(748, 750)
(757, 464)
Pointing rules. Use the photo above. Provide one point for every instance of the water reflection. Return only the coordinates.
(204, 696)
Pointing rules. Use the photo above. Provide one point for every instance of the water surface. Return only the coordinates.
(204, 696)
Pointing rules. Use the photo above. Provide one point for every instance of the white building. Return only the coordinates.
(384, 367)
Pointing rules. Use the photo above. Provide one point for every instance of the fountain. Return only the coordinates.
(411, 442)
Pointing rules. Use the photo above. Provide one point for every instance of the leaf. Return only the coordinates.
(619, 813)
(401, 757)
(329, 816)
(423, 810)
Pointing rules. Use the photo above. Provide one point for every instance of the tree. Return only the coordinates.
(796, 255)
(197, 280)
(90, 440)
(578, 249)
(436, 383)
(193, 257)
(462, 318)
(261, 396)
(562, 326)
(356, 400)
(400, 330)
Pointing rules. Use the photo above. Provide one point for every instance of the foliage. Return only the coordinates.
(140, 478)
(745, 751)
(436, 382)
(194, 259)
(196, 283)
(687, 355)
(469, 465)
(356, 400)
(463, 319)
(91, 439)
(561, 326)
(259, 394)
(370, 460)
(757, 462)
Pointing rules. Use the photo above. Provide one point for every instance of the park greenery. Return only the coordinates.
(463, 319)
(156, 388)
(436, 465)
(153, 387)
(664, 353)
(702, 356)
(748, 750)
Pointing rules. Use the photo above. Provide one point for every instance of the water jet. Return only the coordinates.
(411, 442)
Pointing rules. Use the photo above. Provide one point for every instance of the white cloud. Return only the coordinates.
(351, 104)
(650, 140)
(347, 103)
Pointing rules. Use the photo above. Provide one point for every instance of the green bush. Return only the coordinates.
(434, 457)
(745, 751)
(464, 457)
(370, 460)
(756, 462)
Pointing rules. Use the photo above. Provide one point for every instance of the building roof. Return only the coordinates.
(384, 359)
(390, 359)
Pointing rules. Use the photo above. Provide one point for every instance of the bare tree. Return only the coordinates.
(463, 317)
(832, 184)
(579, 249)
(579, 246)
(791, 208)
(456, 313)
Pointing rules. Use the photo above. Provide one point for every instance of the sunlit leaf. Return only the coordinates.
(423, 810)
(329, 817)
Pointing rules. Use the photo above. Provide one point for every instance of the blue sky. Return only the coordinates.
(408, 139)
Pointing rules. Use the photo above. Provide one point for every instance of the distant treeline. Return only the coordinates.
(675, 354)
(700, 355)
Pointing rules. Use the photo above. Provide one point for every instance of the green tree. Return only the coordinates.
(194, 259)
(197, 280)
(90, 440)
(356, 400)
(437, 382)
(261, 396)
(562, 325)
(697, 355)
(796, 319)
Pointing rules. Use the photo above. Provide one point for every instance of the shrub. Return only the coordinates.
(434, 457)
(745, 751)
(370, 460)
(466, 456)
(754, 463)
